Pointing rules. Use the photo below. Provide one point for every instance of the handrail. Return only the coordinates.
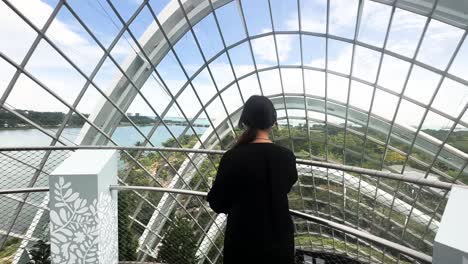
(380, 174)
(344, 228)
(361, 234)
(24, 190)
(156, 189)
(369, 172)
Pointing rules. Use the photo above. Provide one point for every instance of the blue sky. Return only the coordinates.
(438, 45)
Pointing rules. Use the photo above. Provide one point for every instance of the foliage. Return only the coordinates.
(9, 249)
(179, 245)
(128, 243)
(56, 118)
(40, 253)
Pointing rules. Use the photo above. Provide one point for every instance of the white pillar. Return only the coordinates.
(451, 241)
(83, 211)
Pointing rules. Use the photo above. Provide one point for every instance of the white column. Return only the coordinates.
(83, 211)
(451, 241)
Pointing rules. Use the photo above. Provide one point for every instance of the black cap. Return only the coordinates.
(258, 113)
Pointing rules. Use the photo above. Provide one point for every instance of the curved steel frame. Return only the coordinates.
(176, 20)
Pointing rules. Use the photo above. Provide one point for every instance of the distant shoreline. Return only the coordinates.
(120, 125)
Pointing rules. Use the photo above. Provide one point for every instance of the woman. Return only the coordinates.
(251, 187)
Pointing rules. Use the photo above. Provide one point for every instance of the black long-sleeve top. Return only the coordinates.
(251, 187)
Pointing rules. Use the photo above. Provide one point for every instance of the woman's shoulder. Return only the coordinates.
(270, 147)
(285, 151)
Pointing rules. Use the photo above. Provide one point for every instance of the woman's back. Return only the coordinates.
(251, 187)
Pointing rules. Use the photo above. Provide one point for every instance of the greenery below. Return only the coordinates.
(350, 247)
(458, 139)
(9, 250)
(128, 242)
(179, 245)
(328, 197)
(40, 253)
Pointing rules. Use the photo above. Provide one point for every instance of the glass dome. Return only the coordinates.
(379, 84)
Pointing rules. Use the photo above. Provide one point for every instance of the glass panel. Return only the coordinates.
(285, 15)
(313, 49)
(378, 128)
(37, 12)
(361, 95)
(465, 117)
(451, 97)
(189, 54)
(123, 49)
(18, 99)
(140, 113)
(257, 16)
(366, 63)
(241, 59)
(126, 8)
(384, 104)
(337, 88)
(204, 86)
(339, 56)
(449, 163)
(435, 122)
(208, 36)
(271, 82)
(442, 36)
(153, 89)
(265, 52)
(289, 51)
(354, 143)
(393, 73)
(410, 120)
(90, 100)
(141, 24)
(127, 135)
(7, 72)
(232, 98)
(99, 18)
(405, 32)
(158, 5)
(230, 23)
(458, 67)
(313, 15)
(20, 35)
(46, 64)
(343, 17)
(249, 86)
(188, 102)
(222, 72)
(464, 176)
(216, 111)
(374, 23)
(314, 82)
(292, 80)
(422, 84)
(171, 73)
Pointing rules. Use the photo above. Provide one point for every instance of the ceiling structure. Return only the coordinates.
(375, 84)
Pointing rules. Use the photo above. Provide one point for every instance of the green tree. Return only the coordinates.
(40, 253)
(127, 240)
(179, 245)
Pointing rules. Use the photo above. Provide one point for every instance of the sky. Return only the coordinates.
(53, 71)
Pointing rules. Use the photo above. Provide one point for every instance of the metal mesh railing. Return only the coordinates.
(24, 216)
(409, 216)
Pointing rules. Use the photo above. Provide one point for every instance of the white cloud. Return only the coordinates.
(264, 48)
(53, 71)
(46, 64)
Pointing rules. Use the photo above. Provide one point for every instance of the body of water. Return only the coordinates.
(123, 136)
(14, 174)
